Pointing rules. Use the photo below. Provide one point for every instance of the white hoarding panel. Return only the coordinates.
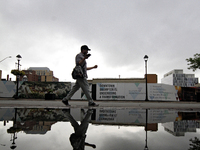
(7, 88)
(162, 92)
(135, 91)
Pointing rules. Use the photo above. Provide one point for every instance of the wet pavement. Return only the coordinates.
(112, 125)
(41, 103)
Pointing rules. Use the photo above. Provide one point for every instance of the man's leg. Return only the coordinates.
(85, 122)
(83, 83)
(71, 93)
(73, 122)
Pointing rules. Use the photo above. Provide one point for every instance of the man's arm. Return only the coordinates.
(91, 145)
(82, 60)
(89, 68)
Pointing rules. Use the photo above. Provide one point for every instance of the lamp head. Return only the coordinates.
(146, 57)
(18, 57)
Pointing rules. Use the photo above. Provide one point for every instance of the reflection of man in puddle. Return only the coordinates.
(77, 138)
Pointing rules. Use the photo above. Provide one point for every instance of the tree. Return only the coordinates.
(194, 62)
(195, 144)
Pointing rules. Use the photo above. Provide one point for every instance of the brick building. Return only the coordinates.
(40, 74)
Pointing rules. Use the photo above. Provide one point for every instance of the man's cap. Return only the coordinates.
(85, 47)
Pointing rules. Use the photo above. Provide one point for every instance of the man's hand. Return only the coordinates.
(95, 66)
(87, 55)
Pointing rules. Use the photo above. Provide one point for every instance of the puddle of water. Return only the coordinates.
(100, 128)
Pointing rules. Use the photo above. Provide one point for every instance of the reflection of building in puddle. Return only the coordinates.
(36, 121)
(133, 117)
(39, 121)
(186, 122)
(151, 127)
(35, 127)
(179, 128)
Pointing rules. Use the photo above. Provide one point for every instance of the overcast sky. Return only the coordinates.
(49, 33)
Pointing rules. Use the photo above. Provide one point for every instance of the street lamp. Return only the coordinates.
(145, 59)
(18, 60)
(5, 58)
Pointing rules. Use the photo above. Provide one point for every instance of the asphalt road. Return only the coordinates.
(40, 103)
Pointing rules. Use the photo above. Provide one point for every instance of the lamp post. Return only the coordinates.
(13, 145)
(5, 58)
(18, 63)
(145, 59)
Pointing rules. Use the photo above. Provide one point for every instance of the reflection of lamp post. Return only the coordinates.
(5, 58)
(13, 146)
(18, 59)
(146, 147)
(145, 59)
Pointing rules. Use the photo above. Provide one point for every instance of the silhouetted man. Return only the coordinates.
(82, 82)
(77, 139)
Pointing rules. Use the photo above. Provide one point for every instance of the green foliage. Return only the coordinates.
(195, 145)
(13, 130)
(35, 95)
(194, 62)
(50, 91)
(17, 72)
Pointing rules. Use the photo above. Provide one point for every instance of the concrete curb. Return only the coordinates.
(40, 103)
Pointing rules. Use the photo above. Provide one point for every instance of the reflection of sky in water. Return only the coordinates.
(104, 137)
(54, 134)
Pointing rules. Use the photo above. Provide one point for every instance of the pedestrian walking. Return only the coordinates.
(82, 83)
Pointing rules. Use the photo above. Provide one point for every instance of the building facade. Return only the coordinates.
(41, 74)
(151, 78)
(31, 75)
(178, 78)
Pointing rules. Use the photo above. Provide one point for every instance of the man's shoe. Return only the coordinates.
(93, 104)
(65, 102)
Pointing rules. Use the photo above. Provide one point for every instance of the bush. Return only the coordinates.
(17, 72)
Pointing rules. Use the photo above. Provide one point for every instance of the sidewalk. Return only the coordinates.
(41, 103)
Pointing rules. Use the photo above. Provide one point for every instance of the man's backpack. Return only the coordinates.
(77, 72)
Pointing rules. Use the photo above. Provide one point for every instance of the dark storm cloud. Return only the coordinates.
(122, 32)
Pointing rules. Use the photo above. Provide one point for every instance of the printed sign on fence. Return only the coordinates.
(135, 91)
